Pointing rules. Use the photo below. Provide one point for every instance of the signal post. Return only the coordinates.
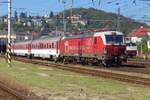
(9, 35)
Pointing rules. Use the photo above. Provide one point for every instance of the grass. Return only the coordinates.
(74, 86)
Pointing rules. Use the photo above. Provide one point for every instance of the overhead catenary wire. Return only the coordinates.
(66, 7)
(125, 8)
(95, 1)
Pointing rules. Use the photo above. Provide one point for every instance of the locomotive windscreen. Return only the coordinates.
(131, 44)
(114, 39)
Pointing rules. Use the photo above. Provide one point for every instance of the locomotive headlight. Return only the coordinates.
(105, 51)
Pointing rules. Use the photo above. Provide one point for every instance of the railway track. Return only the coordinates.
(11, 93)
(91, 71)
(140, 63)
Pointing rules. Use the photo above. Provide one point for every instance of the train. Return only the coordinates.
(131, 49)
(2, 45)
(105, 47)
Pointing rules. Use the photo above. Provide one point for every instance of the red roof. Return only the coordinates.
(139, 32)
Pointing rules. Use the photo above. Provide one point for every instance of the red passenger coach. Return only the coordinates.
(106, 47)
(21, 48)
(46, 47)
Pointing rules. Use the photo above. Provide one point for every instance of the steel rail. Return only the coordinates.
(13, 93)
(16, 94)
(92, 71)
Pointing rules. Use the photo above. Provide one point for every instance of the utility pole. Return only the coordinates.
(9, 35)
(147, 51)
(71, 13)
(118, 19)
(64, 20)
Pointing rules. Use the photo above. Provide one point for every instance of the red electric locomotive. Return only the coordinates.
(106, 47)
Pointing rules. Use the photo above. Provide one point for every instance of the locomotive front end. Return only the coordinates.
(114, 52)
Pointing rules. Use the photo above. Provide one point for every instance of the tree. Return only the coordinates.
(15, 14)
(23, 15)
(3, 26)
(142, 46)
(51, 14)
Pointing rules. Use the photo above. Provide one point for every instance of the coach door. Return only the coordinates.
(57, 47)
(29, 48)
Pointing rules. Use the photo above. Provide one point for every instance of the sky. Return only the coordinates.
(137, 9)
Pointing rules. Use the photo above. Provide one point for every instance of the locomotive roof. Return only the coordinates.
(92, 34)
(79, 36)
(108, 33)
(22, 42)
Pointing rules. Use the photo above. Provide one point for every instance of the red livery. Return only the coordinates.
(106, 47)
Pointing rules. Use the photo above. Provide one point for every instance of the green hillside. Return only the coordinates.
(88, 19)
(100, 19)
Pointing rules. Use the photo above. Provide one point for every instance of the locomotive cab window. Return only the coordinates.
(131, 44)
(114, 39)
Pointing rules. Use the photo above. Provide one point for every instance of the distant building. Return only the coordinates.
(137, 34)
(36, 21)
(77, 19)
(5, 19)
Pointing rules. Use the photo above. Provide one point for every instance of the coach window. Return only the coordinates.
(47, 45)
(33, 46)
(52, 45)
(39, 46)
(27, 46)
(42, 46)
